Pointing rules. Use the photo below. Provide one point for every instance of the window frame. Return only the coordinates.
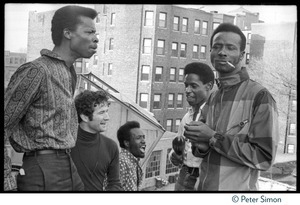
(145, 76)
(156, 74)
(162, 23)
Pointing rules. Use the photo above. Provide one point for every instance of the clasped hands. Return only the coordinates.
(199, 134)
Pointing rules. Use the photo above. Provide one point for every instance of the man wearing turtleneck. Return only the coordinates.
(241, 126)
(96, 156)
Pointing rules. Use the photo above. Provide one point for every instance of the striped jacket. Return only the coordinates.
(245, 114)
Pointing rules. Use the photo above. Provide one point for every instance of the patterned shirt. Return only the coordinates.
(39, 110)
(131, 173)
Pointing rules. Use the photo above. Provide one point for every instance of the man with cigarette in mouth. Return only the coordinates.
(241, 129)
(133, 145)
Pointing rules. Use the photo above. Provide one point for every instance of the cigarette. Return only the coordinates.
(230, 64)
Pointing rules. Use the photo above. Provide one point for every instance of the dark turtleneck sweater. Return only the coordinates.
(96, 156)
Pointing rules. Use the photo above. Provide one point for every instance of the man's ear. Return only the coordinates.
(84, 118)
(126, 143)
(67, 33)
(242, 55)
(209, 86)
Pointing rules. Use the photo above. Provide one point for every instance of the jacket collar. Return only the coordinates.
(46, 52)
(228, 81)
(130, 156)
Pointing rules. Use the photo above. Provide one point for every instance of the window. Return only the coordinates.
(181, 75)
(203, 52)
(162, 20)
(184, 25)
(149, 18)
(204, 28)
(183, 50)
(177, 123)
(113, 19)
(78, 64)
(195, 51)
(104, 9)
(294, 105)
(147, 46)
(174, 52)
(290, 148)
(98, 18)
(16, 60)
(153, 166)
(22, 60)
(197, 26)
(169, 125)
(111, 44)
(109, 69)
(176, 23)
(157, 101)
(143, 100)
(87, 64)
(171, 100)
(172, 74)
(95, 60)
(11, 60)
(158, 74)
(292, 129)
(215, 25)
(170, 168)
(247, 58)
(249, 36)
(160, 47)
(145, 72)
(179, 100)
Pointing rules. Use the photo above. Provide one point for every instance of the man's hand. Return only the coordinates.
(202, 147)
(176, 159)
(198, 132)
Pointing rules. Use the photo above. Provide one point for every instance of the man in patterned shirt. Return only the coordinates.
(39, 111)
(132, 142)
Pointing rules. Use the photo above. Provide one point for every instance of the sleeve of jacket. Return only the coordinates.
(113, 175)
(258, 148)
(22, 90)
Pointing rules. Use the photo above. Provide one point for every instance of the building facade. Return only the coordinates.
(12, 62)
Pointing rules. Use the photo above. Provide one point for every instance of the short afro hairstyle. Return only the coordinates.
(68, 17)
(124, 132)
(203, 70)
(228, 27)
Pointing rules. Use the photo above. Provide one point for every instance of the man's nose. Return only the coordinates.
(188, 89)
(95, 40)
(222, 51)
(106, 116)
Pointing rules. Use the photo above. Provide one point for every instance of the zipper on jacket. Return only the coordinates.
(241, 125)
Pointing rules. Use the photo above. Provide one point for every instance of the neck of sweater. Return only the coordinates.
(86, 136)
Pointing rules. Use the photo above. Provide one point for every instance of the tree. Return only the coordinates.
(276, 70)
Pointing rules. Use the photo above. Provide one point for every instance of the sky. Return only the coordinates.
(16, 18)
